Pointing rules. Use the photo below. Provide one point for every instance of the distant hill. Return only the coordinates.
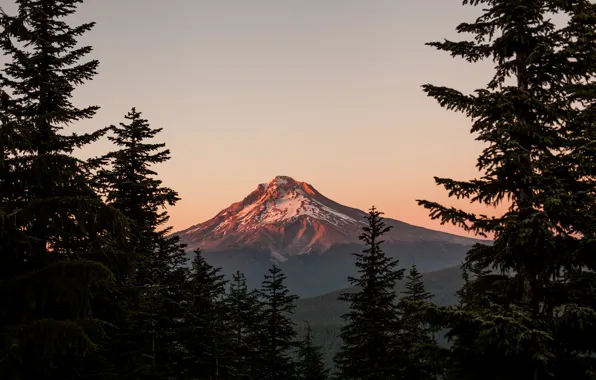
(315, 274)
(326, 309)
(324, 312)
(311, 237)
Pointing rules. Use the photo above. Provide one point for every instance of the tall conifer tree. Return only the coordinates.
(130, 184)
(278, 335)
(57, 272)
(534, 117)
(370, 349)
(417, 336)
(244, 317)
(310, 359)
(205, 336)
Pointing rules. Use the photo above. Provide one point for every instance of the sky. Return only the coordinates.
(325, 91)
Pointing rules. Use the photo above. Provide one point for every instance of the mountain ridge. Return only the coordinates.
(290, 217)
(311, 238)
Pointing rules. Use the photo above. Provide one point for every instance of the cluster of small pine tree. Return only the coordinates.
(94, 286)
(384, 336)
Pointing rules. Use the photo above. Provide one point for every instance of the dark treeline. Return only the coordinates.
(94, 286)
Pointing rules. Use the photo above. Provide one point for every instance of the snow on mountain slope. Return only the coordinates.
(288, 217)
(283, 200)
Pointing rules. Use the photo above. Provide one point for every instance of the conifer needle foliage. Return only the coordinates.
(310, 359)
(527, 294)
(370, 347)
(59, 261)
(277, 332)
(155, 290)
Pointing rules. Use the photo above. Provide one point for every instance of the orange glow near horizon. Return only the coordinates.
(402, 208)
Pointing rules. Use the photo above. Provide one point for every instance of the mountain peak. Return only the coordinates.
(282, 180)
(281, 185)
(283, 199)
(288, 217)
(282, 206)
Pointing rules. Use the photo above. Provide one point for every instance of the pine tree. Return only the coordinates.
(533, 318)
(370, 349)
(278, 335)
(58, 270)
(417, 337)
(243, 320)
(310, 359)
(205, 337)
(414, 289)
(173, 298)
(130, 185)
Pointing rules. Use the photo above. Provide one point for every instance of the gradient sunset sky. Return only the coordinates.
(324, 91)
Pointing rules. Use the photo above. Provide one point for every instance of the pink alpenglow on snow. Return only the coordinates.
(292, 218)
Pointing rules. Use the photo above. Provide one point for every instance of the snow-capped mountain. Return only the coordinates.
(288, 217)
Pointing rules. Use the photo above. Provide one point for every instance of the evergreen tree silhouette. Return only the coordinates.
(59, 239)
(525, 310)
(417, 337)
(310, 359)
(370, 349)
(278, 337)
(205, 337)
(244, 316)
(131, 185)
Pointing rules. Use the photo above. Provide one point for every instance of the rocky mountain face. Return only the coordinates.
(310, 236)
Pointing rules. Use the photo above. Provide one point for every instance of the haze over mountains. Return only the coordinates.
(311, 237)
